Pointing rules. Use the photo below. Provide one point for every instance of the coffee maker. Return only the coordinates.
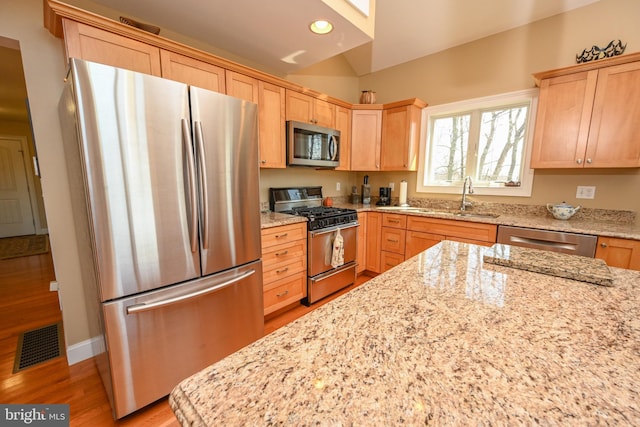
(385, 197)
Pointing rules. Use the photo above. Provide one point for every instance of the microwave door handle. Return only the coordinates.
(191, 170)
(204, 193)
(333, 148)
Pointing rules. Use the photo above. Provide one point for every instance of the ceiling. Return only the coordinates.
(265, 32)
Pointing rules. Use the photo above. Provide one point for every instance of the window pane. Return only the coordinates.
(449, 138)
(501, 144)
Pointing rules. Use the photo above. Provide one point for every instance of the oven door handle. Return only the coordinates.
(332, 229)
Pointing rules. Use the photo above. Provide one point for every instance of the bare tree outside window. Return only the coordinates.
(501, 144)
(488, 139)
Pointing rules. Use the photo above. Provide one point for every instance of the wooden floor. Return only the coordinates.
(26, 303)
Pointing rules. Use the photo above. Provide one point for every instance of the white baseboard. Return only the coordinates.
(85, 350)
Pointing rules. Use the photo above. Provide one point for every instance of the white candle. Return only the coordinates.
(403, 193)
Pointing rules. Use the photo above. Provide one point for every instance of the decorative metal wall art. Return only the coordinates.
(614, 48)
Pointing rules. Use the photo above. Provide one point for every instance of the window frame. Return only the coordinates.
(470, 106)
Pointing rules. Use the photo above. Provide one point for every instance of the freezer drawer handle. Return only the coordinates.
(191, 166)
(139, 308)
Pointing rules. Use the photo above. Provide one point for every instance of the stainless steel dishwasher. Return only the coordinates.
(556, 241)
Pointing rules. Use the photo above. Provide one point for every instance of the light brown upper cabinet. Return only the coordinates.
(589, 117)
(307, 109)
(271, 119)
(241, 86)
(386, 137)
(343, 124)
(401, 136)
(366, 136)
(96, 45)
(192, 71)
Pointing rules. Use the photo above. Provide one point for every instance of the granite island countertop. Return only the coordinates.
(441, 339)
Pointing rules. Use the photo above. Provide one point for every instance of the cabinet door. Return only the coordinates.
(192, 71)
(343, 124)
(614, 136)
(400, 138)
(622, 253)
(562, 121)
(271, 125)
(366, 134)
(241, 86)
(324, 113)
(92, 44)
(361, 255)
(374, 229)
(299, 107)
(418, 241)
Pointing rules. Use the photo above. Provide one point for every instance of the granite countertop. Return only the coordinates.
(274, 219)
(625, 226)
(441, 339)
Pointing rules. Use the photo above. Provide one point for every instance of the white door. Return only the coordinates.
(16, 216)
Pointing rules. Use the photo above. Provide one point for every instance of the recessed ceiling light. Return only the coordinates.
(321, 26)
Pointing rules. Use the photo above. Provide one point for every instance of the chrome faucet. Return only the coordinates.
(464, 204)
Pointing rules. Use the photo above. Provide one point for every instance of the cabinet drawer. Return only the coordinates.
(390, 260)
(284, 260)
(284, 292)
(452, 228)
(394, 220)
(285, 254)
(393, 240)
(283, 234)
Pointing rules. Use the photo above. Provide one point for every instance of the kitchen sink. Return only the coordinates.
(475, 215)
(434, 212)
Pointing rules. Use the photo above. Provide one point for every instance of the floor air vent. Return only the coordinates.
(38, 346)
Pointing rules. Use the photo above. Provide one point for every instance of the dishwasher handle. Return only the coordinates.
(138, 308)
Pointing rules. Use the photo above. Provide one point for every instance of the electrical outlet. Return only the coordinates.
(337, 186)
(392, 185)
(585, 192)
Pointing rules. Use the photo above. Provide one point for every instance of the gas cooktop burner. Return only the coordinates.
(324, 217)
(307, 202)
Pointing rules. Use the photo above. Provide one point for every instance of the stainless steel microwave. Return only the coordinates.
(312, 145)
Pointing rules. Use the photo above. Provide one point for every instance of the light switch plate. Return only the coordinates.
(585, 192)
(392, 185)
(337, 186)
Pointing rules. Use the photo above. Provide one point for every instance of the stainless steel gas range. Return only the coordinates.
(331, 239)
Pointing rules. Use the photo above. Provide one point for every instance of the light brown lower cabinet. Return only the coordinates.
(622, 253)
(284, 265)
(404, 236)
(361, 253)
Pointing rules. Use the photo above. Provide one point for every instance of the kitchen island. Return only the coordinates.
(441, 339)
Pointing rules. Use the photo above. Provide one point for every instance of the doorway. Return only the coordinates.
(26, 271)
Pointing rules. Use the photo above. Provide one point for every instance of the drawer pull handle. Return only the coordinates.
(603, 244)
(392, 241)
(278, 236)
(282, 293)
(284, 270)
(282, 253)
(393, 220)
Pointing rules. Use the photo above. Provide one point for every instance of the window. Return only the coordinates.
(488, 139)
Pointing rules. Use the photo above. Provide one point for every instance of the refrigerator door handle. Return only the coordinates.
(204, 193)
(191, 167)
(139, 308)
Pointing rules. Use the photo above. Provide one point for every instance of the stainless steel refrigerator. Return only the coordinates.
(167, 179)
